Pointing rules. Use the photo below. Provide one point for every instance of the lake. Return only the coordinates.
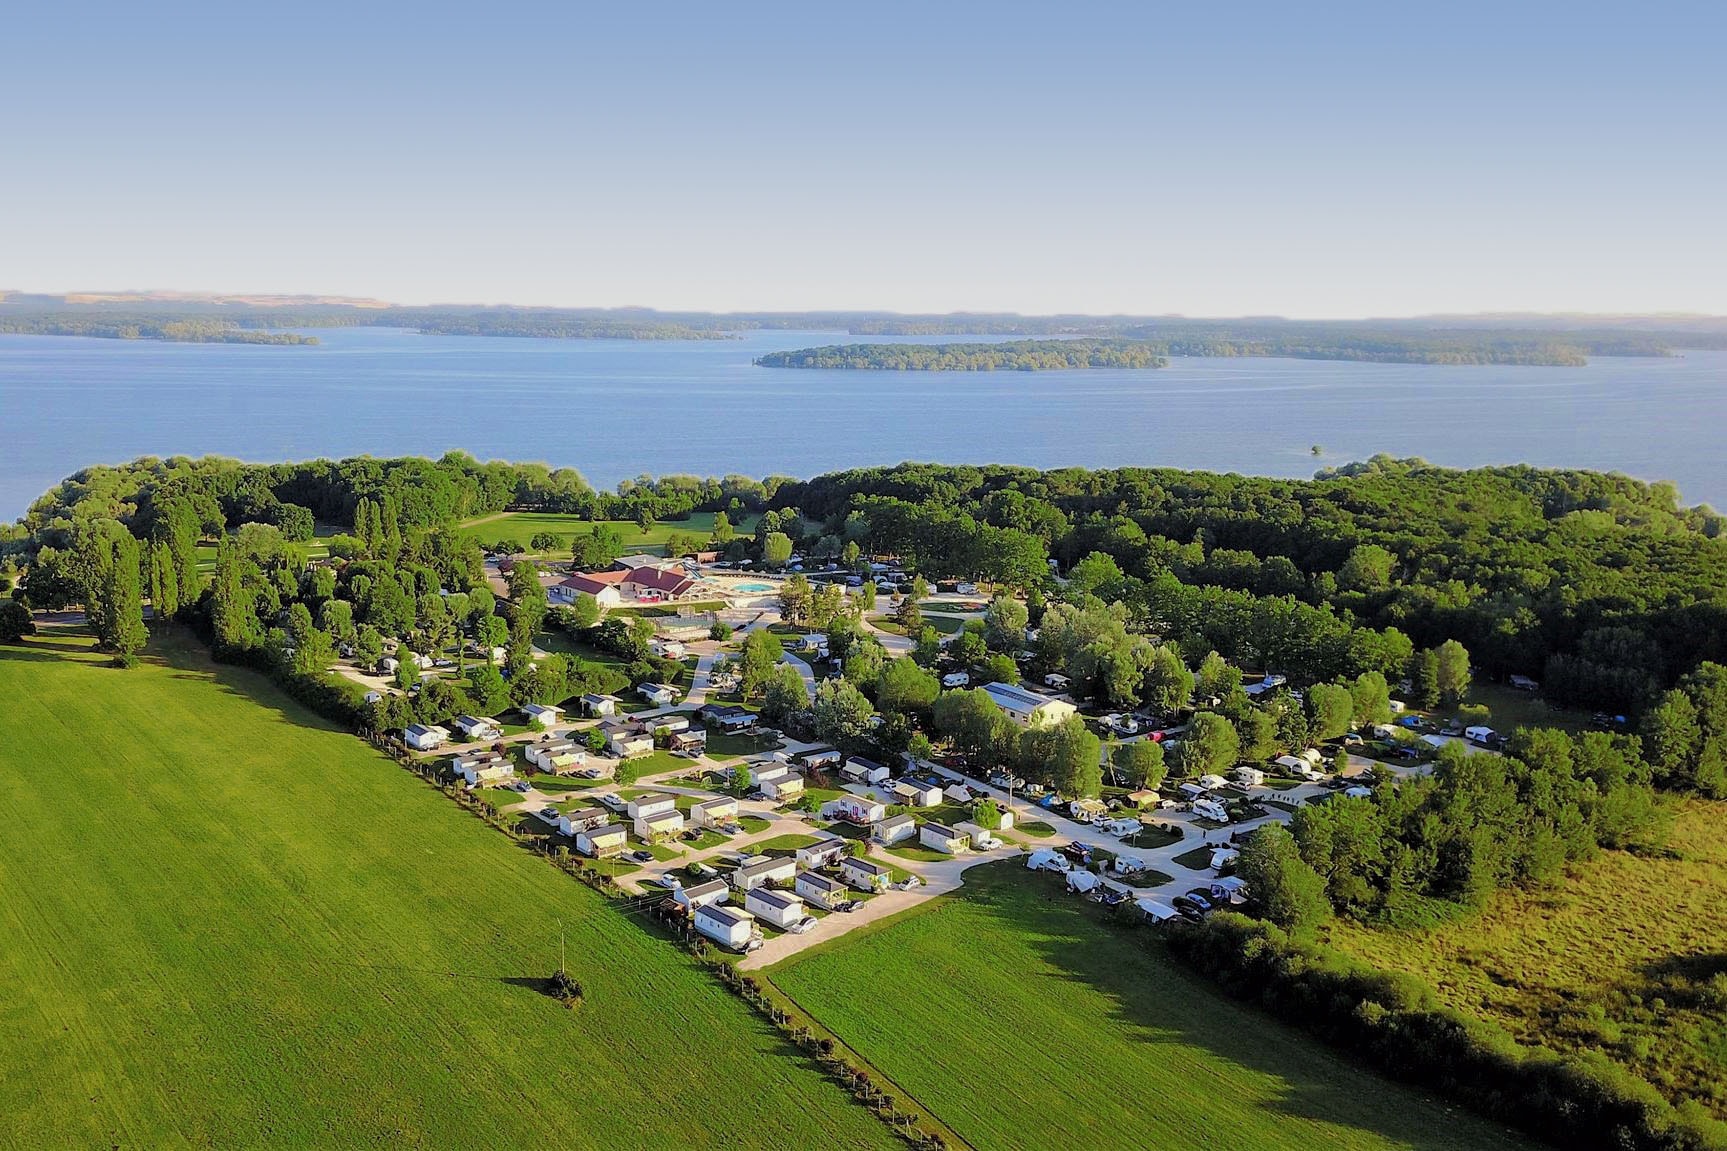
(617, 408)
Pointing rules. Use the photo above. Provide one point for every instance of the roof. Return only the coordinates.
(654, 797)
(723, 709)
(537, 708)
(867, 866)
(662, 816)
(916, 785)
(718, 801)
(821, 882)
(730, 916)
(767, 867)
(606, 832)
(1016, 698)
(669, 582)
(860, 762)
(897, 820)
(697, 890)
(943, 830)
(418, 729)
(589, 813)
(596, 697)
(626, 564)
(774, 898)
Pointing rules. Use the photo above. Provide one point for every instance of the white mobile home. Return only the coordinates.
(821, 854)
(894, 829)
(780, 908)
(583, 819)
(659, 825)
(756, 774)
(425, 737)
(866, 771)
(728, 926)
(652, 803)
(780, 790)
(477, 728)
(864, 874)
(944, 838)
(542, 715)
(764, 871)
(600, 842)
(916, 793)
(854, 809)
(714, 812)
(825, 893)
(702, 894)
(487, 767)
(657, 694)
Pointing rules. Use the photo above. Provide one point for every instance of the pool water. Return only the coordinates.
(752, 587)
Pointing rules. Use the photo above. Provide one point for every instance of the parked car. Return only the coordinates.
(642, 856)
(1202, 897)
(615, 802)
(802, 925)
(1111, 896)
(1078, 852)
(1188, 907)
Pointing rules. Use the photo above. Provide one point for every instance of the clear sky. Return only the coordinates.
(1382, 158)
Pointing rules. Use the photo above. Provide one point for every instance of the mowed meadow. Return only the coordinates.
(224, 924)
(1020, 1021)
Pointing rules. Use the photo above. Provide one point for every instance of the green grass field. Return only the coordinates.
(1021, 1022)
(1627, 956)
(225, 924)
(523, 526)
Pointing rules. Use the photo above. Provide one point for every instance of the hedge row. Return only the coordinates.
(1396, 1023)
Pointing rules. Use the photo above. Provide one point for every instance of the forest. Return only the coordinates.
(1012, 356)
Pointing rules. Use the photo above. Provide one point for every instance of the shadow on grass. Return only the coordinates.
(1156, 1001)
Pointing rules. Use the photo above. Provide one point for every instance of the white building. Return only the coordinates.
(854, 809)
(781, 790)
(1027, 708)
(916, 793)
(821, 854)
(659, 825)
(825, 893)
(713, 812)
(542, 715)
(762, 871)
(483, 767)
(894, 829)
(864, 874)
(728, 926)
(780, 908)
(944, 838)
(657, 694)
(600, 842)
(702, 894)
(477, 728)
(583, 819)
(865, 771)
(652, 803)
(425, 737)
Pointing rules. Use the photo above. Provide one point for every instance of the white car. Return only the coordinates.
(802, 925)
(911, 881)
(615, 802)
(1046, 859)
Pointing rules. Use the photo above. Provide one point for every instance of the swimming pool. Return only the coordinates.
(752, 587)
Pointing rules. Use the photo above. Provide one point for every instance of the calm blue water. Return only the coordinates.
(617, 409)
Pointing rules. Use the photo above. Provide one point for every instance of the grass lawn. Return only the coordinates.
(1152, 838)
(909, 850)
(725, 745)
(1198, 859)
(1144, 1054)
(656, 763)
(246, 928)
(1036, 828)
(752, 824)
(523, 526)
(784, 843)
(1628, 956)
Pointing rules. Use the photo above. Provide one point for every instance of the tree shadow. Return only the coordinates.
(1156, 1001)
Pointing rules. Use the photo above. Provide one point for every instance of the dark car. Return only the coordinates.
(1202, 897)
(1188, 907)
(1112, 896)
(642, 856)
(1078, 852)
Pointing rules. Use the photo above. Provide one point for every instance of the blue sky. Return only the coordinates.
(1207, 159)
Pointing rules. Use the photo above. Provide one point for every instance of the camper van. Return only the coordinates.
(1191, 791)
(1480, 735)
(1121, 828)
(1210, 809)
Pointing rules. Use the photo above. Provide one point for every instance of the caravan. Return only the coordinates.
(1210, 809)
